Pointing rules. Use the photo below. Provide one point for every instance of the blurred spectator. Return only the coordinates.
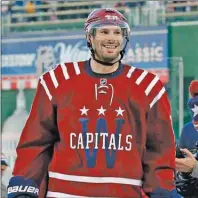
(53, 10)
(17, 5)
(30, 8)
(6, 171)
(6, 174)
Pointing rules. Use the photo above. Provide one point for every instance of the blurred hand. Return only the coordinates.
(186, 164)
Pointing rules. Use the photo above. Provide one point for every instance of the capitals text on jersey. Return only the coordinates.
(110, 142)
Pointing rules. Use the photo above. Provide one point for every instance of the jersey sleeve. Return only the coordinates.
(38, 137)
(159, 155)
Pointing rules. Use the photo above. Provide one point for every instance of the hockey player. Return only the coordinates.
(98, 128)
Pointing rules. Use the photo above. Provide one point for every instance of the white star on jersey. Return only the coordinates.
(84, 111)
(119, 111)
(101, 111)
(195, 110)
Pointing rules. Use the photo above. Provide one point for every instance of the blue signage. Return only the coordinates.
(28, 55)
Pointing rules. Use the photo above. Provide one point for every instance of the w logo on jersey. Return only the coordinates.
(101, 139)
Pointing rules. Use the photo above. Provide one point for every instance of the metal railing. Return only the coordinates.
(75, 13)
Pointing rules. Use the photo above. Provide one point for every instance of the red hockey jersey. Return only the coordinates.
(98, 135)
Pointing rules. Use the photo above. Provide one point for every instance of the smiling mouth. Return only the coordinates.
(110, 46)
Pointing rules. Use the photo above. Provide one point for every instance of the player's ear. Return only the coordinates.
(88, 40)
(88, 37)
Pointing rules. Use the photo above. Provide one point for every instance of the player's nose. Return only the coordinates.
(110, 36)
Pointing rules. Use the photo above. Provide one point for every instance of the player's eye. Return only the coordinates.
(104, 31)
(118, 32)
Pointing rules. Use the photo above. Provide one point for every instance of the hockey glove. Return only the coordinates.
(19, 187)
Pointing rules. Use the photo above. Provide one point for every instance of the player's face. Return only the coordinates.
(107, 43)
(3, 167)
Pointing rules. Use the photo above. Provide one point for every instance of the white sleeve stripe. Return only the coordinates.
(151, 85)
(46, 88)
(130, 72)
(76, 67)
(53, 77)
(64, 69)
(159, 95)
(142, 76)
